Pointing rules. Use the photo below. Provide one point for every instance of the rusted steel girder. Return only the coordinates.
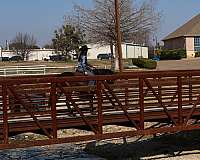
(98, 137)
(5, 113)
(133, 98)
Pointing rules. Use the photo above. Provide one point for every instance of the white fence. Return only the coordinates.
(32, 70)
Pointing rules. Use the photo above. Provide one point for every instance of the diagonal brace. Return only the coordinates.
(27, 107)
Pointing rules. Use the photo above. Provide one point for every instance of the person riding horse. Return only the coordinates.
(86, 69)
(83, 65)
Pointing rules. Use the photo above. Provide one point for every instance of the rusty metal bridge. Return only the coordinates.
(46, 104)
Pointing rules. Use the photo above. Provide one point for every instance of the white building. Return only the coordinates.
(41, 54)
(7, 53)
(36, 54)
(128, 51)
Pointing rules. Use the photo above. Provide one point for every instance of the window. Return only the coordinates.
(197, 43)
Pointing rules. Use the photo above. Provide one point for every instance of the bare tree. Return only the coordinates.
(98, 23)
(22, 44)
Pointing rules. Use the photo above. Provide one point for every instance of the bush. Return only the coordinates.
(144, 63)
(197, 54)
(172, 54)
(182, 52)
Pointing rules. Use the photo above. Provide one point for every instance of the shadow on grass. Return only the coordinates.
(171, 145)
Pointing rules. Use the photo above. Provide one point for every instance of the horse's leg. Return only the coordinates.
(91, 106)
(91, 99)
(67, 101)
(71, 110)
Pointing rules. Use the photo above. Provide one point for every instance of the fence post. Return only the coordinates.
(179, 83)
(141, 101)
(190, 89)
(4, 71)
(5, 114)
(159, 89)
(44, 70)
(53, 109)
(127, 96)
(17, 70)
(100, 109)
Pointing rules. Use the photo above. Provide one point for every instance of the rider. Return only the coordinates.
(83, 65)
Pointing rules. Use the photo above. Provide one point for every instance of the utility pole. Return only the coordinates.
(1, 51)
(118, 32)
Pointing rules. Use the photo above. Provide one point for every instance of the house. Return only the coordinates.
(185, 37)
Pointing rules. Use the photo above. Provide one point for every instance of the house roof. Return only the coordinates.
(191, 28)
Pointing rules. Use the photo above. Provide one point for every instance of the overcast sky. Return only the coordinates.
(42, 17)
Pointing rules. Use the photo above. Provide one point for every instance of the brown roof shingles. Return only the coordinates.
(191, 28)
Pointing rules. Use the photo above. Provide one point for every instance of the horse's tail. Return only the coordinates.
(66, 74)
(103, 72)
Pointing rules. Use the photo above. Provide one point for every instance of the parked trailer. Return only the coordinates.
(128, 51)
(135, 51)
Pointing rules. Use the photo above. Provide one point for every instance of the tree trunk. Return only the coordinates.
(116, 59)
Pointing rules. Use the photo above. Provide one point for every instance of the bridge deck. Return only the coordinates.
(45, 104)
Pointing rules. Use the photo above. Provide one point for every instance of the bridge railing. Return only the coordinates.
(150, 102)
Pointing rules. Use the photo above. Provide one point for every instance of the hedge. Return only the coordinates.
(172, 54)
(144, 63)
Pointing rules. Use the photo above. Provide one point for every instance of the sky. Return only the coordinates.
(41, 17)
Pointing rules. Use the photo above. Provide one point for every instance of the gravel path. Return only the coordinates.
(53, 152)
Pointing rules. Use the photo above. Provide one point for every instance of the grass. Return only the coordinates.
(30, 63)
(53, 64)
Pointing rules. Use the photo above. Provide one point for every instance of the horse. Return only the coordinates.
(83, 95)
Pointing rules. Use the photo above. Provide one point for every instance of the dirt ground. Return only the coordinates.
(184, 64)
(53, 64)
(179, 146)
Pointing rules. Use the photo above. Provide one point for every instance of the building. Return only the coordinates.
(35, 54)
(41, 54)
(128, 51)
(185, 37)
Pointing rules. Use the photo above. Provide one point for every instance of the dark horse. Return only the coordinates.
(95, 71)
(84, 95)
